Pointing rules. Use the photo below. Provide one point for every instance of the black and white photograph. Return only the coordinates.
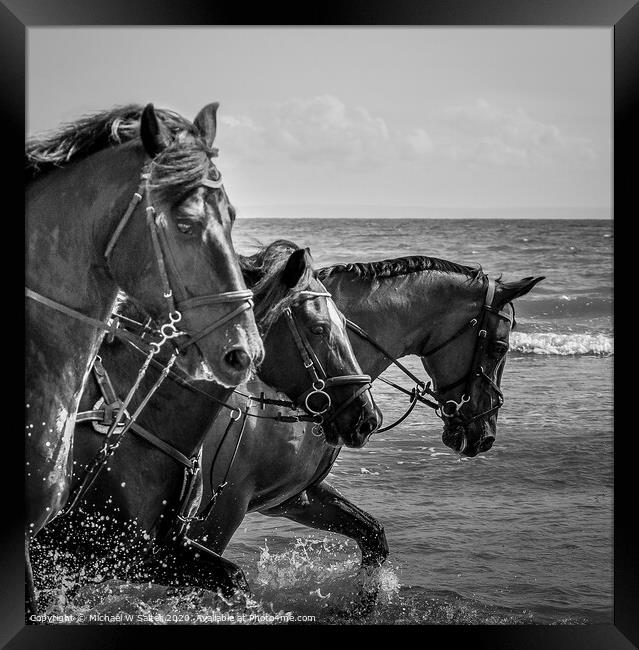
(319, 325)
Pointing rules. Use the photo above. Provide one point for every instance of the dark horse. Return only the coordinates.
(451, 316)
(131, 511)
(127, 198)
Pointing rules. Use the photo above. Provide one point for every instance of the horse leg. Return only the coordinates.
(189, 563)
(30, 597)
(186, 563)
(321, 506)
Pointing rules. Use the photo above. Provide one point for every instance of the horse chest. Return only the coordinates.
(289, 461)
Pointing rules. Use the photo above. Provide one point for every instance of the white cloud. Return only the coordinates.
(483, 133)
(323, 130)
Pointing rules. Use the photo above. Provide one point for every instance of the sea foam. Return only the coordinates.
(561, 344)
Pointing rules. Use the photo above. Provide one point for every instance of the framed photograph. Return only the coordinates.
(395, 406)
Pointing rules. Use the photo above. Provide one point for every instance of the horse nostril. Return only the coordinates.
(368, 425)
(238, 359)
(486, 443)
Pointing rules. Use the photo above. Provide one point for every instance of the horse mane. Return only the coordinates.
(177, 169)
(262, 273)
(399, 266)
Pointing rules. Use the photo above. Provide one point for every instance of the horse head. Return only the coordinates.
(468, 364)
(308, 353)
(189, 218)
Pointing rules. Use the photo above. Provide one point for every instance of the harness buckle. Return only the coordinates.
(108, 416)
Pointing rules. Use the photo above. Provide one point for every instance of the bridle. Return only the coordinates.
(422, 388)
(476, 369)
(320, 381)
(177, 304)
(103, 421)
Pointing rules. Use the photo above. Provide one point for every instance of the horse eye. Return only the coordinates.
(184, 227)
(317, 329)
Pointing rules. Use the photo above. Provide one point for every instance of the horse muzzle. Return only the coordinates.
(469, 440)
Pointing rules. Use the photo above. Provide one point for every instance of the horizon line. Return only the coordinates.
(461, 217)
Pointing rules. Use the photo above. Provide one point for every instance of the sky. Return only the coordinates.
(468, 121)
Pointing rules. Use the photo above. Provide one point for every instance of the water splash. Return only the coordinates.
(308, 561)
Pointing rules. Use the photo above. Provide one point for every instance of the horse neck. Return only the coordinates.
(71, 213)
(402, 313)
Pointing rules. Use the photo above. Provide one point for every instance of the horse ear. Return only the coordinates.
(155, 135)
(206, 122)
(508, 291)
(298, 263)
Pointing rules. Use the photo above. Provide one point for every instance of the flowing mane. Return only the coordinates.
(399, 266)
(263, 272)
(175, 171)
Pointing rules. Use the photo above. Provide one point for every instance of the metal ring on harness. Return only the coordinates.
(318, 389)
(103, 427)
(233, 412)
(317, 430)
(458, 406)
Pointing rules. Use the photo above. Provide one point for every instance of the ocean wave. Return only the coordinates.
(561, 344)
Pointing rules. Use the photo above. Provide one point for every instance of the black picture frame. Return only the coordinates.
(622, 16)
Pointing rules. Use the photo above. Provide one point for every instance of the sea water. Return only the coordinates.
(520, 534)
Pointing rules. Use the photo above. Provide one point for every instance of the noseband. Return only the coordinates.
(475, 370)
(320, 381)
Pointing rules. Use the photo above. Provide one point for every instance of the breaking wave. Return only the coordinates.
(561, 344)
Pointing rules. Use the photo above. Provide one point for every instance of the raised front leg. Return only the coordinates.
(322, 506)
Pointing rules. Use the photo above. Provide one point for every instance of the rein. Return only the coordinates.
(102, 414)
(422, 388)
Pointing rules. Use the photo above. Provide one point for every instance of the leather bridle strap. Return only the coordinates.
(367, 337)
(216, 298)
(113, 437)
(98, 414)
(134, 342)
(353, 379)
(162, 251)
(157, 249)
(464, 328)
(415, 393)
(309, 358)
(233, 296)
(320, 380)
(216, 491)
(137, 197)
(63, 309)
